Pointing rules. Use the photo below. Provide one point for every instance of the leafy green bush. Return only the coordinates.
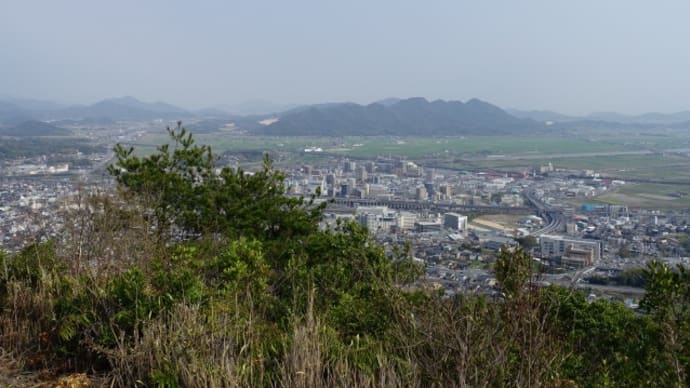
(29, 264)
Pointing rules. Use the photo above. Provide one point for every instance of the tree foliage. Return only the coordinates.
(284, 254)
(187, 195)
(668, 300)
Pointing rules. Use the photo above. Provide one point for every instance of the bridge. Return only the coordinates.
(554, 217)
(426, 205)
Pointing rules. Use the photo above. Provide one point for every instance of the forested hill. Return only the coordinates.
(413, 116)
(34, 128)
(125, 108)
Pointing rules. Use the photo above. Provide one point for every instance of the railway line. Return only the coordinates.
(426, 205)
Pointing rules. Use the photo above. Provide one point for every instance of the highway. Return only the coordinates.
(554, 217)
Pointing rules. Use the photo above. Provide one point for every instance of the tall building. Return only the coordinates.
(446, 191)
(361, 173)
(455, 221)
(430, 190)
(349, 166)
(401, 167)
(371, 167)
(421, 194)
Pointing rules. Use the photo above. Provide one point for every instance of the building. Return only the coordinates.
(407, 220)
(577, 257)
(361, 173)
(349, 166)
(414, 170)
(422, 227)
(344, 190)
(570, 251)
(455, 221)
(446, 191)
(430, 189)
(370, 167)
(421, 194)
(376, 218)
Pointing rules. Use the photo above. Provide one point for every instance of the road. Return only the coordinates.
(554, 217)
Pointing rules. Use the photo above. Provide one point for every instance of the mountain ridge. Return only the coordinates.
(649, 118)
(410, 116)
(391, 115)
(34, 128)
(125, 108)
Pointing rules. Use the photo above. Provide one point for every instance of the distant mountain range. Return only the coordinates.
(255, 107)
(125, 108)
(390, 116)
(413, 116)
(14, 111)
(613, 117)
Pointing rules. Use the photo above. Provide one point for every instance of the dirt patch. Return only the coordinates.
(14, 374)
(502, 222)
(477, 227)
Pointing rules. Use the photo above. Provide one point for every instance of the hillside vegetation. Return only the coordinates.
(192, 277)
(33, 128)
(412, 116)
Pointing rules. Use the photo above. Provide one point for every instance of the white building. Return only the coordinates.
(406, 220)
(574, 251)
(376, 218)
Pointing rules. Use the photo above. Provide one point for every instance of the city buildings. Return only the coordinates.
(570, 251)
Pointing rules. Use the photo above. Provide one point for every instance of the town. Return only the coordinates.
(454, 222)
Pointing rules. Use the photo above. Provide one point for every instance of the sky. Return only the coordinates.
(629, 56)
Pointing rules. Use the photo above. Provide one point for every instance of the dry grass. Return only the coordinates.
(12, 372)
(192, 348)
(306, 362)
(24, 329)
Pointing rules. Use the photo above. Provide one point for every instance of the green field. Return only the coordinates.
(411, 147)
(631, 166)
(642, 140)
(477, 145)
(221, 142)
(647, 195)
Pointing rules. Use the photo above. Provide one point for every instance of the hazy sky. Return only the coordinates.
(572, 56)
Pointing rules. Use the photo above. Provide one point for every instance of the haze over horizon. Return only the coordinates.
(574, 58)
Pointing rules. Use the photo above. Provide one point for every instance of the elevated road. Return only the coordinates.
(426, 205)
(554, 217)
